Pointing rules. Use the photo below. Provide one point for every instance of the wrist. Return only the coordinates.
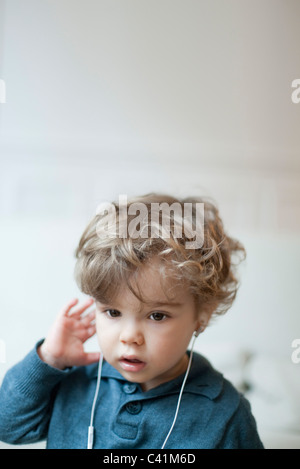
(49, 358)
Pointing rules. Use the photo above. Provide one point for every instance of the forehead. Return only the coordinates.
(155, 283)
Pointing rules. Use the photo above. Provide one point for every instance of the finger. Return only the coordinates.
(81, 309)
(65, 310)
(88, 318)
(92, 330)
(85, 333)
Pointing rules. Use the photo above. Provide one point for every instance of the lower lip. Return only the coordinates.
(132, 366)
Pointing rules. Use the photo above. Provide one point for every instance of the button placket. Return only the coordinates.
(129, 388)
(134, 407)
(127, 420)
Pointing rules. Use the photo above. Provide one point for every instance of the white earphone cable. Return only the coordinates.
(181, 391)
(91, 427)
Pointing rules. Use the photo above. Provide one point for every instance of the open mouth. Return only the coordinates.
(132, 360)
(131, 364)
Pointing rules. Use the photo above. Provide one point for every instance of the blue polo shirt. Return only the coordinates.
(40, 402)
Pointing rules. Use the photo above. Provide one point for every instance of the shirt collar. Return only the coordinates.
(203, 379)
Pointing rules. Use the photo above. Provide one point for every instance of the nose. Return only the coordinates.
(131, 333)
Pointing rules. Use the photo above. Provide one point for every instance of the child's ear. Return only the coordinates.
(200, 327)
(204, 318)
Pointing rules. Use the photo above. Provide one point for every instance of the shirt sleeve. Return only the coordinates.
(241, 431)
(26, 398)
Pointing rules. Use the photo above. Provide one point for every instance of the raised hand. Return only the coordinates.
(63, 346)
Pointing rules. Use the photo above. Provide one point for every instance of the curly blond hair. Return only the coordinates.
(106, 260)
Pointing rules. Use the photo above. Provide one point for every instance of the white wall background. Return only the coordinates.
(111, 96)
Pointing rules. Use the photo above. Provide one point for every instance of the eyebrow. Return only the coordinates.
(164, 303)
(150, 304)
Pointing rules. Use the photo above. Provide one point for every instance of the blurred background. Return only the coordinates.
(193, 97)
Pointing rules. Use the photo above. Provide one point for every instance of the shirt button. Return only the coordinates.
(134, 407)
(129, 388)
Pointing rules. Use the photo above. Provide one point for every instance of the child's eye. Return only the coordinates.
(112, 313)
(157, 316)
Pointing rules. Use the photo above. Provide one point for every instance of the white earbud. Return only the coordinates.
(199, 331)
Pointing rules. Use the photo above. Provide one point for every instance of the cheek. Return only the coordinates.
(171, 345)
(104, 335)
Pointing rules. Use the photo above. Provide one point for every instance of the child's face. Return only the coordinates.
(147, 343)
